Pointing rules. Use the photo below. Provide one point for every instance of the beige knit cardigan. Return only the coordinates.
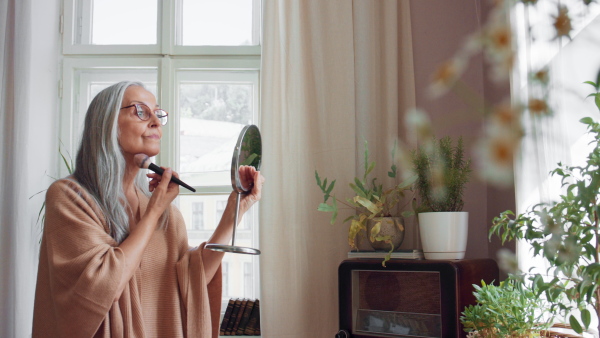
(80, 267)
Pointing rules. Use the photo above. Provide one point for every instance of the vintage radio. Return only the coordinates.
(408, 298)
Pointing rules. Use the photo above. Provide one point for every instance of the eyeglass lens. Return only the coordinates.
(144, 113)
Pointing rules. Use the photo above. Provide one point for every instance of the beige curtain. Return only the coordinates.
(18, 254)
(329, 80)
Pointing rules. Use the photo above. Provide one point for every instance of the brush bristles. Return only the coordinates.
(142, 160)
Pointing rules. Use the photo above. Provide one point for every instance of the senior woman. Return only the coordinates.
(114, 258)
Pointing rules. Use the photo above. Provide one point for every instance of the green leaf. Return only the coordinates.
(587, 120)
(407, 213)
(249, 159)
(357, 189)
(328, 190)
(375, 231)
(69, 167)
(318, 179)
(392, 173)
(367, 204)
(586, 318)
(40, 214)
(369, 169)
(326, 207)
(575, 324)
(335, 211)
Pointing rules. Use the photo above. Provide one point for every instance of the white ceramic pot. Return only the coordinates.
(444, 234)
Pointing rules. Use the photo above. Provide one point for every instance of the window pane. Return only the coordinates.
(117, 22)
(240, 272)
(212, 114)
(89, 82)
(217, 23)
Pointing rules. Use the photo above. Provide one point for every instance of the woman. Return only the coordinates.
(114, 259)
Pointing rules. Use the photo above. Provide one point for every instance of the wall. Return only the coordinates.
(438, 30)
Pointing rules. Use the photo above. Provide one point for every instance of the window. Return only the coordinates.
(201, 59)
(197, 215)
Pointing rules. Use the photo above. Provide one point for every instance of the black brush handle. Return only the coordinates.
(160, 171)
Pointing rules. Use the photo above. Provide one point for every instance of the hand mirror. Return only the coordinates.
(247, 152)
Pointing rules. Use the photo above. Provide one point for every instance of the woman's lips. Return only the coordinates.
(157, 137)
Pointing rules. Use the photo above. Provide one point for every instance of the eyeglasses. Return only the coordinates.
(144, 113)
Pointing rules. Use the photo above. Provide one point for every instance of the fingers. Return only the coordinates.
(164, 180)
(256, 193)
(246, 174)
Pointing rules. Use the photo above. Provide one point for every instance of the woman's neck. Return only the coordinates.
(129, 178)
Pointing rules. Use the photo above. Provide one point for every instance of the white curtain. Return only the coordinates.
(329, 81)
(560, 137)
(18, 253)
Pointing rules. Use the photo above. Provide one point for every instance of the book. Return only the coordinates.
(245, 318)
(236, 309)
(254, 321)
(226, 317)
(400, 254)
(238, 318)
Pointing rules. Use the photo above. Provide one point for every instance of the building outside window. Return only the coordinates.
(198, 216)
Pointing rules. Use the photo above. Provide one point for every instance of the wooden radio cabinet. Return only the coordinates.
(408, 298)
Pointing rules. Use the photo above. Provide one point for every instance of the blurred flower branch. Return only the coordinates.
(504, 129)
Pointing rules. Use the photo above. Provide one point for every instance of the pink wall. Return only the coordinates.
(438, 29)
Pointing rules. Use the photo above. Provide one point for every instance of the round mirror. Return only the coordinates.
(247, 152)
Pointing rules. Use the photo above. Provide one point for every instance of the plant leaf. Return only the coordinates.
(575, 324)
(326, 207)
(249, 159)
(392, 173)
(375, 231)
(367, 204)
(586, 318)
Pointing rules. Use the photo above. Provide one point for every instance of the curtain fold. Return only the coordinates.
(329, 81)
(18, 253)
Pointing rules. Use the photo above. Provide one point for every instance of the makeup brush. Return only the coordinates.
(143, 161)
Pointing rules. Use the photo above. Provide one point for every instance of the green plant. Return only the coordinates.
(371, 201)
(508, 310)
(442, 173)
(566, 234)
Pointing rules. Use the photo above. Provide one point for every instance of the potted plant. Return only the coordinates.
(375, 207)
(508, 310)
(566, 234)
(442, 173)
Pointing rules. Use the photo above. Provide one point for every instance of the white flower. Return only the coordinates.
(507, 261)
(497, 41)
(446, 75)
(495, 157)
(418, 125)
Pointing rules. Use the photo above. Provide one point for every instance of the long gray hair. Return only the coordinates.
(100, 165)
